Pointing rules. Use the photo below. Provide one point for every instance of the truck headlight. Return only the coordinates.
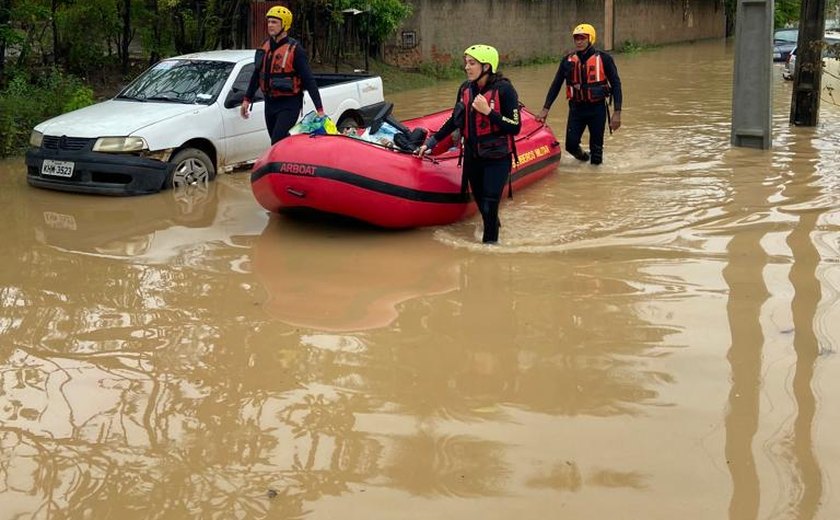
(120, 144)
(36, 138)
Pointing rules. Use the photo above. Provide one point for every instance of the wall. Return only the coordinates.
(528, 29)
(668, 21)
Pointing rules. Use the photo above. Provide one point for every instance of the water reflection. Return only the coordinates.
(805, 194)
(154, 229)
(747, 293)
(207, 431)
(520, 335)
(339, 277)
(799, 204)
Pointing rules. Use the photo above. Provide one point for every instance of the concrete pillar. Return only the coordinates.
(609, 25)
(752, 93)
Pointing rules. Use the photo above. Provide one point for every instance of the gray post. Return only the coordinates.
(752, 97)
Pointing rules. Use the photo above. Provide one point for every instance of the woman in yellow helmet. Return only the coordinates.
(487, 113)
(282, 72)
(591, 79)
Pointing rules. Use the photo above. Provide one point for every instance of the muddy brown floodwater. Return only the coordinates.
(654, 338)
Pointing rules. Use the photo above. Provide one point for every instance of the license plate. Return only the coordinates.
(59, 220)
(57, 168)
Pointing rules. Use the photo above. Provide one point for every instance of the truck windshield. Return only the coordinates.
(180, 81)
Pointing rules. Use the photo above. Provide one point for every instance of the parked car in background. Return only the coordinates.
(784, 41)
(178, 123)
(829, 63)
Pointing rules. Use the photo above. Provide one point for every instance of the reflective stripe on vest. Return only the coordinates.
(279, 64)
(592, 86)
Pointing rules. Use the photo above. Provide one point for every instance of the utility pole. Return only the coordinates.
(807, 78)
(752, 92)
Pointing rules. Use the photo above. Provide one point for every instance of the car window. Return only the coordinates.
(834, 52)
(240, 84)
(180, 81)
(786, 35)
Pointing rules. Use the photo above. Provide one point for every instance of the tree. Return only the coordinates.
(7, 35)
(786, 12)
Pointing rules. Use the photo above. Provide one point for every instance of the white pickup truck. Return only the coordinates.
(177, 123)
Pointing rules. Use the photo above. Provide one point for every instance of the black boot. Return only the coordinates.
(579, 154)
(597, 155)
(490, 217)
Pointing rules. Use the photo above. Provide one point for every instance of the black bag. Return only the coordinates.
(493, 148)
(598, 92)
(411, 141)
(283, 84)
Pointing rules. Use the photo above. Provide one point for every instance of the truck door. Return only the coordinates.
(245, 139)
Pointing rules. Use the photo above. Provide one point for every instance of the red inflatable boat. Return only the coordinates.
(383, 186)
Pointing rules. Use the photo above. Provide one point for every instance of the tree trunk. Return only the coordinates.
(807, 78)
(154, 55)
(125, 39)
(57, 51)
(227, 32)
(5, 16)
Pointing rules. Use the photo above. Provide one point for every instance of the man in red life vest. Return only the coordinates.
(282, 72)
(591, 79)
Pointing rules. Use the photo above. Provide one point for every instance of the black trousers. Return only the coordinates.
(581, 116)
(281, 114)
(487, 178)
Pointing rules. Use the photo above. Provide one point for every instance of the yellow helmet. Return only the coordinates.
(484, 54)
(282, 14)
(586, 29)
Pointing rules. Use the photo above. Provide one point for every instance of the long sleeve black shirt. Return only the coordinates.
(564, 72)
(302, 69)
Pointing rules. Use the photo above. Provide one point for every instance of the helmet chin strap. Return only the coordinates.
(483, 72)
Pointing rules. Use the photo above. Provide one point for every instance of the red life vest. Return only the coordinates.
(278, 77)
(588, 82)
(490, 142)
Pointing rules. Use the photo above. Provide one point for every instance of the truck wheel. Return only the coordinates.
(348, 121)
(192, 166)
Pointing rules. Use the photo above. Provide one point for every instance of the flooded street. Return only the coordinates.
(654, 338)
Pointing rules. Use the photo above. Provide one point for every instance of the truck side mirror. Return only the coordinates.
(234, 98)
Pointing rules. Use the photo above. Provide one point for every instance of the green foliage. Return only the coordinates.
(633, 47)
(397, 80)
(29, 98)
(439, 70)
(80, 97)
(25, 31)
(386, 16)
(537, 60)
(10, 36)
(381, 18)
(787, 12)
(90, 48)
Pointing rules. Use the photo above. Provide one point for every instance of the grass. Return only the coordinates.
(398, 80)
(634, 47)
